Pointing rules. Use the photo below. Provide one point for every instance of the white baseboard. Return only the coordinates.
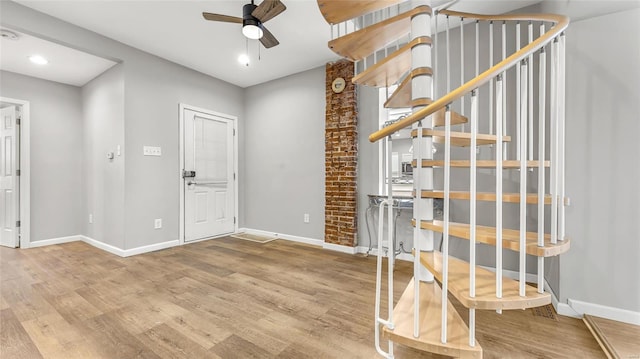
(104, 246)
(312, 241)
(150, 248)
(52, 241)
(602, 311)
(561, 308)
(129, 252)
(339, 248)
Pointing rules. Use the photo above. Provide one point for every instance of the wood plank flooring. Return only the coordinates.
(226, 298)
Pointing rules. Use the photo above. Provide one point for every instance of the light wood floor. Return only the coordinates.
(225, 298)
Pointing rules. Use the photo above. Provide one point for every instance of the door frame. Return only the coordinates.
(234, 119)
(25, 171)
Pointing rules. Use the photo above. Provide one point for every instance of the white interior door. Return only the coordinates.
(209, 181)
(9, 199)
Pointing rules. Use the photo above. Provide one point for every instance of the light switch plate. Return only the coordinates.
(151, 151)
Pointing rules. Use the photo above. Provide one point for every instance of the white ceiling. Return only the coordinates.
(175, 30)
(65, 65)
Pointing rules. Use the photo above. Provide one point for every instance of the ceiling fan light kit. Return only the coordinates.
(253, 17)
(251, 26)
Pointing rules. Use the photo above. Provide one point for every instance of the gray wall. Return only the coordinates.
(368, 119)
(284, 152)
(154, 88)
(103, 120)
(56, 153)
(603, 161)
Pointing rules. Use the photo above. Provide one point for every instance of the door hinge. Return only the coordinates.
(17, 223)
(17, 172)
(234, 176)
(18, 121)
(234, 131)
(234, 220)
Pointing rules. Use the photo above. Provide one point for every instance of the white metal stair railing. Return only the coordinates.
(389, 203)
(518, 123)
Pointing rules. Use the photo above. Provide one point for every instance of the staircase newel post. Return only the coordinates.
(421, 88)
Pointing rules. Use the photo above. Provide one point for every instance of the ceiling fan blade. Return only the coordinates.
(267, 39)
(268, 9)
(224, 18)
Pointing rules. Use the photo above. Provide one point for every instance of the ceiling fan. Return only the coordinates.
(253, 17)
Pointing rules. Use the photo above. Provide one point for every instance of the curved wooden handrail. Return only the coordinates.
(561, 23)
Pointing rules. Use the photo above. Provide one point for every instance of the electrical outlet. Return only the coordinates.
(306, 218)
(157, 223)
(90, 218)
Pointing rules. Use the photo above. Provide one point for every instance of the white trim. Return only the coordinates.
(52, 241)
(561, 308)
(150, 248)
(234, 119)
(105, 247)
(25, 171)
(339, 248)
(603, 311)
(305, 240)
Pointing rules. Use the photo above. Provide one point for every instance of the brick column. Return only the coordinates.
(341, 157)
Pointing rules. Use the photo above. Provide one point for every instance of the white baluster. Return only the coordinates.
(499, 153)
(448, 57)
(462, 112)
(553, 123)
(518, 97)
(523, 177)
(445, 236)
(472, 212)
(504, 84)
(530, 80)
(541, 168)
(491, 82)
(561, 149)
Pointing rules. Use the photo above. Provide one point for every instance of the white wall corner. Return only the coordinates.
(105, 247)
(603, 311)
(561, 308)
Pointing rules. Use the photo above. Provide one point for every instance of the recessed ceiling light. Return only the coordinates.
(244, 59)
(38, 60)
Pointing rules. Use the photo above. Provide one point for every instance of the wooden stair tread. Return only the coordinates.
(532, 198)
(511, 164)
(460, 139)
(510, 237)
(458, 285)
(401, 97)
(430, 318)
(364, 42)
(335, 11)
(389, 71)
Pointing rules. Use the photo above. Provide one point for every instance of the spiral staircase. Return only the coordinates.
(501, 123)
